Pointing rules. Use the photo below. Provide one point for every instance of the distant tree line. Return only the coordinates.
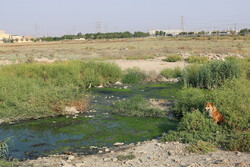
(244, 31)
(99, 35)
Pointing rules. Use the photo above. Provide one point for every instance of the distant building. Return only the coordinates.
(170, 32)
(16, 38)
(80, 39)
(28, 38)
(3, 35)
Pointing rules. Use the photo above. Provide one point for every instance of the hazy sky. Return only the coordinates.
(57, 17)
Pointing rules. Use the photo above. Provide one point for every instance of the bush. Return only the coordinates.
(188, 100)
(171, 73)
(197, 59)
(137, 106)
(237, 142)
(194, 126)
(133, 75)
(231, 99)
(173, 58)
(211, 75)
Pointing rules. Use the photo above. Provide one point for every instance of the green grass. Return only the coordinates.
(137, 106)
(173, 58)
(133, 75)
(171, 73)
(6, 163)
(41, 90)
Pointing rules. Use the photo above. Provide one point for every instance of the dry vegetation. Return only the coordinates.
(140, 48)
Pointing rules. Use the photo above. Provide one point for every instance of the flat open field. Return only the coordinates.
(140, 48)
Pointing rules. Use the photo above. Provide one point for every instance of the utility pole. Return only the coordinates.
(98, 26)
(182, 23)
(36, 30)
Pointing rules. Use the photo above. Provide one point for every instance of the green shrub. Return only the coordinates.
(137, 106)
(171, 73)
(197, 59)
(188, 100)
(201, 147)
(237, 142)
(232, 100)
(133, 75)
(211, 75)
(173, 58)
(194, 126)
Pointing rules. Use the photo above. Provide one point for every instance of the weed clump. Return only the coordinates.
(126, 157)
(137, 106)
(173, 58)
(171, 73)
(133, 75)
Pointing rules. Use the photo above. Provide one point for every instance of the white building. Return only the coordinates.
(168, 32)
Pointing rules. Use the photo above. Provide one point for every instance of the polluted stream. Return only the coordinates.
(89, 132)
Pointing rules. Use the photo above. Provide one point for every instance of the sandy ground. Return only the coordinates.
(149, 65)
(147, 154)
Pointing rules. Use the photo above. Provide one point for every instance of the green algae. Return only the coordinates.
(58, 134)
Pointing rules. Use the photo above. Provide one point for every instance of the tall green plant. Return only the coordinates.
(4, 148)
(213, 74)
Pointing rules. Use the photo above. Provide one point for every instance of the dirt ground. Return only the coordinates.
(146, 154)
(149, 65)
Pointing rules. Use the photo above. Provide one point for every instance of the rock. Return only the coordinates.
(71, 157)
(106, 159)
(92, 147)
(238, 153)
(220, 161)
(241, 164)
(114, 159)
(107, 150)
(71, 110)
(100, 151)
(100, 86)
(118, 83)
(118, 144)
(79, 165)
(125, 87)
(112, 152)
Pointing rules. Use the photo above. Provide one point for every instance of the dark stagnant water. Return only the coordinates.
(42, 137)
